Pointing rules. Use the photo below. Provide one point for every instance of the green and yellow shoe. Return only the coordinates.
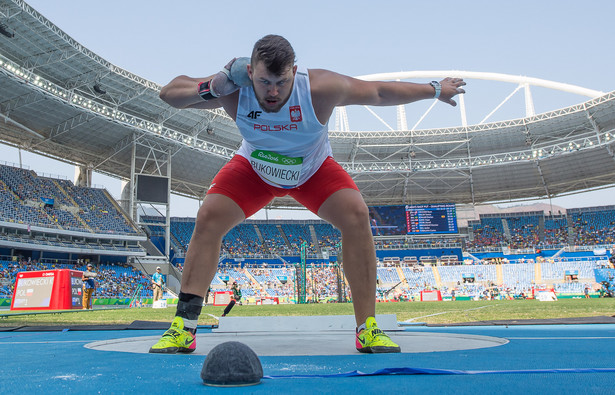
(373, 340)
(175, 339)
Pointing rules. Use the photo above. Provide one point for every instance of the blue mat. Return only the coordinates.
(562, 359)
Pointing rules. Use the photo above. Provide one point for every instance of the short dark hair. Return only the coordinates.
(275, 51)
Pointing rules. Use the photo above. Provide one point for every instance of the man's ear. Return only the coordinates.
(294, 70)
(249, 66)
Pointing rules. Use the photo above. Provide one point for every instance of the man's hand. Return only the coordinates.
(237, 71)
(232, 77)
(450, 88)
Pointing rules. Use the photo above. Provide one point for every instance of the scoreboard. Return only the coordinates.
(431, 218)
(59, 289)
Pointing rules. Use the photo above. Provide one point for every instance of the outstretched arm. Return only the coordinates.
(330, 89)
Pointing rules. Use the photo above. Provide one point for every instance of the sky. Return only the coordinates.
(563, 41)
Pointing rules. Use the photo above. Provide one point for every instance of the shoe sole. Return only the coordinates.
(379, 350)
(171, 350)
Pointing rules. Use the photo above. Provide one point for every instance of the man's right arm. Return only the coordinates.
(183, 92)
(209, 92)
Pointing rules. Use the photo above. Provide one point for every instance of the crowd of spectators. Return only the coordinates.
(522, 232)
(121, 281)
(117, 280)
(322, 283)
(242, 241)
(594, 227)
(556, 231)
(589, 227)
(485, 235)
(394, 282)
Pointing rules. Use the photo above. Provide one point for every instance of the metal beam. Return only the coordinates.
(479, 75)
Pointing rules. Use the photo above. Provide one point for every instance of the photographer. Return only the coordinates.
(236, 298)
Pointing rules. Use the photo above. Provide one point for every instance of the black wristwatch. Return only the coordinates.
(205, 91)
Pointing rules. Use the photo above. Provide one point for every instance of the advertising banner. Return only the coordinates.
(48, 290)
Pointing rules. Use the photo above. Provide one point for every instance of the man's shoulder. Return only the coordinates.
(327, 82)
(316, 75)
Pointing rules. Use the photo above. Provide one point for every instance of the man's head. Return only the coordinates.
(158, 269)
(89, 266)
(275, 52)
(272, 70)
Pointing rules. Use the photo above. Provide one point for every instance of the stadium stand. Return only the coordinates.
(296, 234)
(113, 281)
(243, 241)
(58, 205)
(593, 226)
(273, 240)
(182, 230)
(327, 235)
(519, 277)
(524, 231)
(556, 231)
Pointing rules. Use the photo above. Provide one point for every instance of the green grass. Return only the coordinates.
(428, 312)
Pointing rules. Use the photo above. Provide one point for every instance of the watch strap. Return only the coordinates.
(438, 88)
(205, 91)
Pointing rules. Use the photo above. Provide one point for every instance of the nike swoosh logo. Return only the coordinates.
(362, 341)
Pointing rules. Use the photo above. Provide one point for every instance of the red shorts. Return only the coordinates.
(238, 181)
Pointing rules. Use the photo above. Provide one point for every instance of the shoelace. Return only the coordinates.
(377, 333)
(172, 333)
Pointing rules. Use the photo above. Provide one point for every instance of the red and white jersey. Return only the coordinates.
(286, 147)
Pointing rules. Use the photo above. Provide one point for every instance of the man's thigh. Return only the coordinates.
(329, 178)
(238, 181)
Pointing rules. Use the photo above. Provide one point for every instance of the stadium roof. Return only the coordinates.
(61, 100)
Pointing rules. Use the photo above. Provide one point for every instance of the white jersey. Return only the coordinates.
(286, 147)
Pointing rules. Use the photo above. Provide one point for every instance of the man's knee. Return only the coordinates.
(356, 215)
(346, 210)
(206, 223)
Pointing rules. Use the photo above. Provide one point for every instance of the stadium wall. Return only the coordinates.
(381, 254)
(271, 262)
(542, 254)
(437, 252)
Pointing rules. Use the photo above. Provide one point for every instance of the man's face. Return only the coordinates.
(272, 91)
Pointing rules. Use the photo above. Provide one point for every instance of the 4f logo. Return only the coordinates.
(254, 114)
(295, 114)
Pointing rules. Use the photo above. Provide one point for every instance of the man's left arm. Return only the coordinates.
(330, 89)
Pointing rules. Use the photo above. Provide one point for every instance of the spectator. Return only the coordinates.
(89, 286)
(157, 284)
